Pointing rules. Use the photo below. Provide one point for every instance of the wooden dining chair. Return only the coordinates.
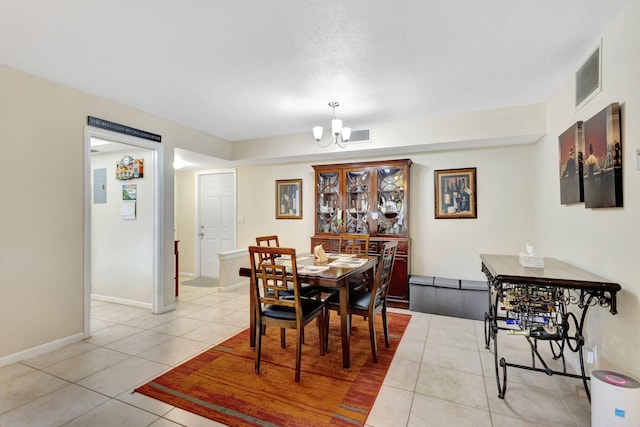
(275, 304)
(368, 303)
(307, 291)
(350, 243)
(270, 241)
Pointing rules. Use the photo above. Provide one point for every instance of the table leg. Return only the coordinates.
(345, 327)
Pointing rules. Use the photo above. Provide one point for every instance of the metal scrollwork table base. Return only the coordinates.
(542, 304)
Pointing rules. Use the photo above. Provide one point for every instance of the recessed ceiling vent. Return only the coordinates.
(359, 136)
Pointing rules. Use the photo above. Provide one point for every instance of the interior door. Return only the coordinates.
(217, 219)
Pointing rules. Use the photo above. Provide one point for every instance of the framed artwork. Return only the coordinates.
(571, 150)
(289, 199)
(602, 165)
(455, 193)
(129, 168)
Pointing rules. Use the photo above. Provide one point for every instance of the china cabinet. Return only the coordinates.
(366, 198)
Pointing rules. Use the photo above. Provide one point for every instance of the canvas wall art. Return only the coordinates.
(571, 146)
(602, 168)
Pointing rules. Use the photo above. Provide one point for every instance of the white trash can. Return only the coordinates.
(615, 400)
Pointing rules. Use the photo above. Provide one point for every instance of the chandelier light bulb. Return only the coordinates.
(336, 126)
(317, 133)
(346, 134)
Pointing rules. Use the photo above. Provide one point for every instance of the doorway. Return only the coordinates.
(135, 231)
(215, 222)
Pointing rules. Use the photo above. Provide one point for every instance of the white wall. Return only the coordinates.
(603, 241)
(41, 251)
(122, 250)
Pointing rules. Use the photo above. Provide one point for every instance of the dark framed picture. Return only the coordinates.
(289, 199)
(455, 193)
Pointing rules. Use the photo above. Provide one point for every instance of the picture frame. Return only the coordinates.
(455, 193)
(288, 199)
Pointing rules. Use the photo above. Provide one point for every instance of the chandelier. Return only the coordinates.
(340, 135)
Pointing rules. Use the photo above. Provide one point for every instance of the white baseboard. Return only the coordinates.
(41, 349)
(124, 301)
(167, 308)
(234, 286)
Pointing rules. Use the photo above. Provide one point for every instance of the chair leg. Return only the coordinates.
(325, 325)
(258, 349)
(372, 338)
(385, 326)
(283, 337)
(321, 332)
(298, 354)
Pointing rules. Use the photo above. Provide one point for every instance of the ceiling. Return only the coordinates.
(241, 69)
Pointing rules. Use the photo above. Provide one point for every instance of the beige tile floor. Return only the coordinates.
(441, 375)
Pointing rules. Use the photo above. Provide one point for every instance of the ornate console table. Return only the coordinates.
(535, 302)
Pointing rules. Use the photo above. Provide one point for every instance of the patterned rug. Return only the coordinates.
(221, 383)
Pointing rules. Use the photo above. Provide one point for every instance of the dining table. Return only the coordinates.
(334, 275)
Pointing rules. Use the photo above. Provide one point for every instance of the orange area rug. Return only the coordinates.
(221, 383)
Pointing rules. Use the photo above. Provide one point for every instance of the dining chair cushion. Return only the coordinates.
(306, 291)
(358, 281)
(358, 299)
(309, 308)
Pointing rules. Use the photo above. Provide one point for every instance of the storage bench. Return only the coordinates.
(449, 297)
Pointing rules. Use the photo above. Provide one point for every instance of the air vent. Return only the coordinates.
(359, 136)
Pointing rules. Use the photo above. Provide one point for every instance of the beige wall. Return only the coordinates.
(446, 248)
(185, 219)
(603, 241)
(122, 250)
(41, 260)
(515, 125)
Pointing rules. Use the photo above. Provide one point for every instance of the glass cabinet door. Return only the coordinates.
(357, 201)
(328, 202)
(392, 206)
